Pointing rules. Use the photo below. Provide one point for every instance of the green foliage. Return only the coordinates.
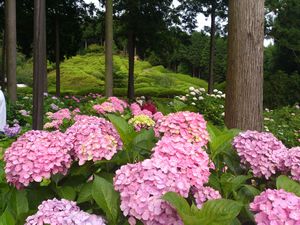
(284, 124)
(85, 73)
(216, 212)
(287, 184)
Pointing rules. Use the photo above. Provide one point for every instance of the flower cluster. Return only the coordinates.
(204, 194)
(35, 156)
(112, 105)
(12, 131)
(93, 138)
(141, 122)
(263, 152)
(57, 118)
(293, 162)
(276, 207)
(176, 165)
(62, 212)
(24, 113)
(188, 125)
(136, 110)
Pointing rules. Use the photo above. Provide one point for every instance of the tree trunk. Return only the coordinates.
(39, 63)
(131, 47)
(57, 56)
(244, 100)
(109, 49)
(11, 49)
(2, 72)
(212, 49)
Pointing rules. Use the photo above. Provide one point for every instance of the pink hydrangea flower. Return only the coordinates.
(276, 207)
(293, 162)
(112, 105)
(93, 138)
(62, 212)
(176, 165)
(204, 194)
(263, 152)
(59, 117)
(35, 156)
(188, 125)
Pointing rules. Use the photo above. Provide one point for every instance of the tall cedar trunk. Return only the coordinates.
(212, 49)
(11, 49)
(39, 63)
(244, 100)
(131, 47)
(57, 56)
(109, 49)
(2, 72)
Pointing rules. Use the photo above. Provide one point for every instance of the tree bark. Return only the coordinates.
(39, 63)
(109, 49)
(131, 47)
(212, 49)
(2, 72)
(244, 100)
(57, 56)
(11, 49)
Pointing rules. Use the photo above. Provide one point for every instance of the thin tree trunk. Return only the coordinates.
(131, 47)
(212, 49)
(11, 49)
(109, 49)
(57, 56)
(39, 63)
(244, 100)
(2, 72)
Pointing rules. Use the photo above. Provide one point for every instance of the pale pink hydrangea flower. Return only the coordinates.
(93, 138)
(35, 156)
(62, 212)
(188, 125)
(263, 152)
(112, 105)
(276, 207)
(293, 162)
(204, 194)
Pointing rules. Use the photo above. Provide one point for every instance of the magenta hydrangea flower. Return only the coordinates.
(276, 207)
(62, 212)
(176, 165)
(188, 125)
(204, 194)
(112, 105)
(93, 138)
(35, 156)
(263, 152)
(293, 162)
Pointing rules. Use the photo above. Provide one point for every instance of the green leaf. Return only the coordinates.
(231, 183)
(219, 212)
(222, 142)
(7, 218)
(106, 198)
(213, 131)
(85, 193)
(18, 203)
(178, 202)
(125, 130)
(66, 192)
(287, 184)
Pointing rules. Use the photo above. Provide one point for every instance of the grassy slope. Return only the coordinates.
(84, 73)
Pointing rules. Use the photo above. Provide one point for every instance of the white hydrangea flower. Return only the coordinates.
(192, 89)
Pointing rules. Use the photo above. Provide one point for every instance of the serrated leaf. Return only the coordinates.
(106, 198)
(219, 212)
(7, 218)
(287, 184)
(85, 193)
(66, 192)
(125, 130)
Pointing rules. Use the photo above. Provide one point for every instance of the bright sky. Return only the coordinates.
(202, 20)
